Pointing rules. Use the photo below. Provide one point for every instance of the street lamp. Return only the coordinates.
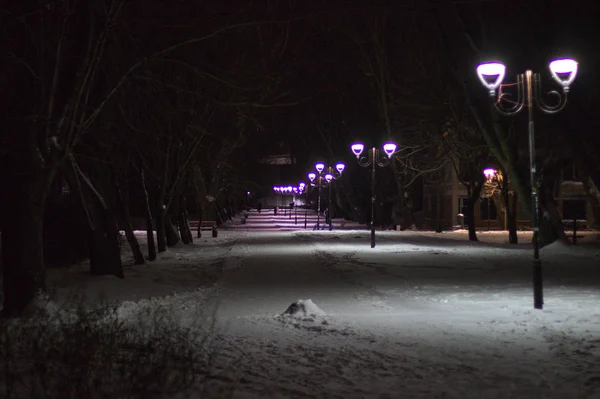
(277, 191)
(489, 174)
(312, 176)
(333, 174)
(302, 188)
(290, 190)
(295, 192)
(529, 91)
(374, 158)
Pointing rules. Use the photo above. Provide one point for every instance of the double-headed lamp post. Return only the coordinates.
(312, 176)
(331, 175)
(374, 158)
(529, 92)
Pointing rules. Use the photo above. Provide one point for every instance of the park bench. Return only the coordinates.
(204, 225)
(207, 224)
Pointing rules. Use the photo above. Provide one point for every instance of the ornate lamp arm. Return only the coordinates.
(364, 161)
(541, 104)
(381, 159)
(518, 106)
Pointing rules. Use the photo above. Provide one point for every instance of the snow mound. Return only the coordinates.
(303, 308)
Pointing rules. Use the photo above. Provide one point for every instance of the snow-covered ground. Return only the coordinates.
(421, 315)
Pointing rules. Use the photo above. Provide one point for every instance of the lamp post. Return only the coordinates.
(290, 191)
(373, 159)
(295, 191)
(277, 191)
(303, 190)
(489, 174)
(312, 176)
(529, 92)
(329, 177)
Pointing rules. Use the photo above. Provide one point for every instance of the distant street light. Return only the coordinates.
(277, 190)
(489, 174)
(295, 191)
(290, 191)
(374, 158)
(332, 174)
(529, 91)
(301, 190)
(312, 176)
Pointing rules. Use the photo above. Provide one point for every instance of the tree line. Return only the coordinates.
(118, 110)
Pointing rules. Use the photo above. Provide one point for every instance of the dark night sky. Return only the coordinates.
(310, 58)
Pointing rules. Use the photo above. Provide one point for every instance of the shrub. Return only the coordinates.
(91, 353)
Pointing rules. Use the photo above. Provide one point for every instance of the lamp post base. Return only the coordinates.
(372, 238)
(538, 297)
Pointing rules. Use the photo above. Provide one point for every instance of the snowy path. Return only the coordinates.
(422, 315)
(460, 327)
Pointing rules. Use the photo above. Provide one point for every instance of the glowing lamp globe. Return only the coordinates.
(319, 167)
(489, 173)
(389, 149)
(357, 149)
(340, 167)
(491, 75)
(564, 71)
(329, 177)
(312, 176)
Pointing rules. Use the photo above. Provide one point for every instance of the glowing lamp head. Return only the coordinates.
(319, 167)
(564, 72)
(357, 149)
(312, 176)
(389, 149)
(340, 167)
(489, 173)
(295, 189)
(491, 75)
(328, 177)
(276, 188)
(289, 189)
(301, 185)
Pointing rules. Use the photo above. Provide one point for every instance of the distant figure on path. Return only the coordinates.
(259, 207)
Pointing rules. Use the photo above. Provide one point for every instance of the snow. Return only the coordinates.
(421, 315)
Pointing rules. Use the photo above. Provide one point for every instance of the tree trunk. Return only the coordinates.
(22, 245)
(102, 227)
(474, 192)
(148, 218)
(200, 217)
(550, 221)
(170, 231)
(184, 224)
(170, 228)
(105, 256)
(511, 216)
(470, 216)
(161, 236)
(183, 230)
(123, 204)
